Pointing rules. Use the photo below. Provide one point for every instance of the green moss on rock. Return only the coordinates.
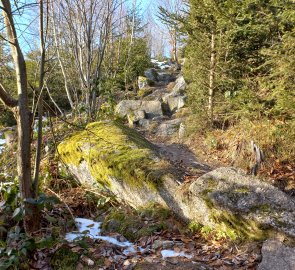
(113, 150)
(144, 92)
(233, 225)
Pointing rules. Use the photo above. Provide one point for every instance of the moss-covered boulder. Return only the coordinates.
(118, 158)
(113, 156)
(242, 205)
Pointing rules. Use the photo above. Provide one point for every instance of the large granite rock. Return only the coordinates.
(174, 102)
(277, 256)
(168, 128)
(135, 117)
(152, 74)
(180, 86)
(151, 108)
(244, 202)
(111, 155)
(166, 77)
(176, 99)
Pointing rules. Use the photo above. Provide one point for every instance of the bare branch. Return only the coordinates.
(7, 100)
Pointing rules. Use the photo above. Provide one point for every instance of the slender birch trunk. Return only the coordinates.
(40, 100)
(212, 78)
(63, 71)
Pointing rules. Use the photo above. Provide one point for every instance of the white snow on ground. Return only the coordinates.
(86, 228)
(91, 229)
(164, 66)
(2, 142)
(167, 253)
(161, 65)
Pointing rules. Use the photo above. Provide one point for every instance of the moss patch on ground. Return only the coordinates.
(134, 224)
(114, 150)
(65, 259)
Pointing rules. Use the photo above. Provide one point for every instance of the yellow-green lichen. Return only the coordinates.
(211, 183)
(144, 92)
(233, 225)
(242, 190)
(113, 150)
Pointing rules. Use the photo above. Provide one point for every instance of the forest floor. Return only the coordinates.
(162, 236)
(160, 241)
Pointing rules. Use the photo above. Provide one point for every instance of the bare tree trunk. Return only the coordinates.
(40, 101)
(53, 101)
(211, 78)
(23, 118)
(69, 96)
(131, 43)
(174, 44)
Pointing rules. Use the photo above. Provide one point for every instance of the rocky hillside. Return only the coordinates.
(138, 172)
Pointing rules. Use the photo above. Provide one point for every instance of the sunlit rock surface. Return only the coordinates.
(113, 156)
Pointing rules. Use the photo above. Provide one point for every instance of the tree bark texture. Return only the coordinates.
(40, 101)
(23, 119)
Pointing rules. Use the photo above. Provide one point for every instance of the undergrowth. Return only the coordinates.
(232, 145)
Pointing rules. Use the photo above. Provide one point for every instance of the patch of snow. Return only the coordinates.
(129, 250)
(91, 229)
(159, 64)
(167, 253)
(115, 241)
(2, 143)
(86, 228)
(164, 66)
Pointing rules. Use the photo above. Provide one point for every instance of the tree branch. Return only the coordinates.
(6, 98)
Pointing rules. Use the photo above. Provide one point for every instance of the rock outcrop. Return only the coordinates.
(180, 86)
(176, 99)
(276, 256)
(151, 108)
(111, 155)
(168, 128)
(175, 102)
(152, 74)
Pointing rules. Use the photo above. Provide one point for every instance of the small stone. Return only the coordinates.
(87, 261)
(162, 244)
(126, 263)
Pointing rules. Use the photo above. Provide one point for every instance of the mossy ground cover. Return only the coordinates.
(134, 224)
